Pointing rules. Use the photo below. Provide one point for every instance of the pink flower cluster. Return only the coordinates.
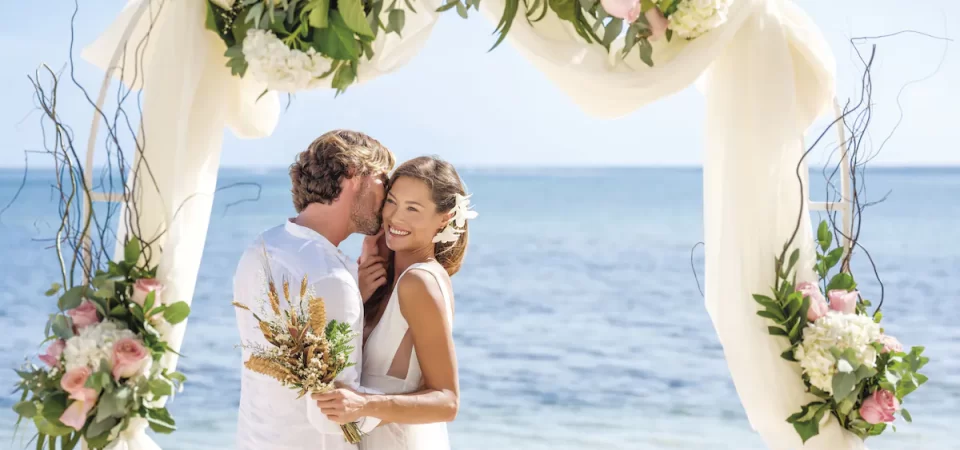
(882, 404)
(129, 358)
(629, 10)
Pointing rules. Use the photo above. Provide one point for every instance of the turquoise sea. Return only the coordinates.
(579, 322)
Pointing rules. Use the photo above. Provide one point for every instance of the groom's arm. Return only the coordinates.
(343, 304)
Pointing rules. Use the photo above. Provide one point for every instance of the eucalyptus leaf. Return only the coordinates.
(176, 312)
(50, 427)
(461, 10)
(131, 251)
(396, 21)
(26, 409)
(794, 257)
(99, 428)
(62, 327)
(54, 288)
(71, 298)
(646, 52)
(843, 384)
(906, 415)
(612, 31)
(160, 388)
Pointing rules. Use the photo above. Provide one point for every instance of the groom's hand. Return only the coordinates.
(342, 405)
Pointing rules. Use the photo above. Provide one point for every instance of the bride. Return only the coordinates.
(408, 349)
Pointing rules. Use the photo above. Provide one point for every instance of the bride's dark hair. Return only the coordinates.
(444, 183)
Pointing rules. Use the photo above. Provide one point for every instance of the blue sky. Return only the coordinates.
(476, 108)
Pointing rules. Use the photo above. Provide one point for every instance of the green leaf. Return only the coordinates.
(177, 376)
(160, 388)
(765, 301)
(863, 372)
(54, 288)
(461, 10)
(131, 251)
(148, 302)
(646, 52)
(906, 415)
(101, 427)
(565, 9)
(833, 257)
(52, 428)
(119, 311)
(395, 21)
(794, 257)
(843, 384)
(62, 327)
(645, 5)
(771, 315)
(337, 41)
(788, 355)
(450, 4)
(612, 31)
(319, 13)
(808, 412)
(26, 409)
(777, 331)
(842, 281)
(824, 236)
(344, 77)
(353, 16)
(72, 298)
(176, 312)
(160, 420)
(809, 427)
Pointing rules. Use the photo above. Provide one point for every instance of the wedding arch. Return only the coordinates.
(766, 73)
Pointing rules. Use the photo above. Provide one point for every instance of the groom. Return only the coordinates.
(338, 189)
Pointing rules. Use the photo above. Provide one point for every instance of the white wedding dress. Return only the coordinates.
(390, 365)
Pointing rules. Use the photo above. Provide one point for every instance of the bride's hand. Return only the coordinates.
(342, 405)
(375, 245)
(372, 275)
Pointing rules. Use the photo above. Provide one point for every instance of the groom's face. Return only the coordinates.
(368, 203)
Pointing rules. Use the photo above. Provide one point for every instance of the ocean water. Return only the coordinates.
(579, 322)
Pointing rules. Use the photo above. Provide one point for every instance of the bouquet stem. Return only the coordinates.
(351, 432)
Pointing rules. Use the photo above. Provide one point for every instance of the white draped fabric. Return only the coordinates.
(766, 75)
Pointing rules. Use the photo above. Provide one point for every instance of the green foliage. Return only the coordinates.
(896, 372)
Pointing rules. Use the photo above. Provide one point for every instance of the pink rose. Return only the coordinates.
(879, 407)
(843, 301)
(73, 383)
(818, 305)
(658, 23)
(628, 10)
(84, 315)
(75, 416)
(145, 286)
(52, 356)
(890, 344)
(130, 357)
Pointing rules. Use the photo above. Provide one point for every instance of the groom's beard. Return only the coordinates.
(365, 214)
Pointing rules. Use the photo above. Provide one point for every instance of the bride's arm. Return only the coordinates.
(423, 306)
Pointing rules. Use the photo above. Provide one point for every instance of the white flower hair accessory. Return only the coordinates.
(461, 213)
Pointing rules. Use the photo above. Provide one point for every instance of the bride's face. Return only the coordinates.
(410, 216)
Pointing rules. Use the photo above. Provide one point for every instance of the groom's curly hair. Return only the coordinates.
(332, 158)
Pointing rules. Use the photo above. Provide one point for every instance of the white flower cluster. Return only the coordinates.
(283, 69)
(843, 331)
(93, 344)
(696, 17)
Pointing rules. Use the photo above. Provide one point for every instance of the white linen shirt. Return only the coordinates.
(271, 417)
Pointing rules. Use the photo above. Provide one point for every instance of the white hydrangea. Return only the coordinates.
(281, 68)
(696, 17)
(843, 331)
(93, 344)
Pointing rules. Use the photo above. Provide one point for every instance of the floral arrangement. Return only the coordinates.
(306, 352)
(293, 45)
(103, 366)
(638, 22)
(859, 374)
